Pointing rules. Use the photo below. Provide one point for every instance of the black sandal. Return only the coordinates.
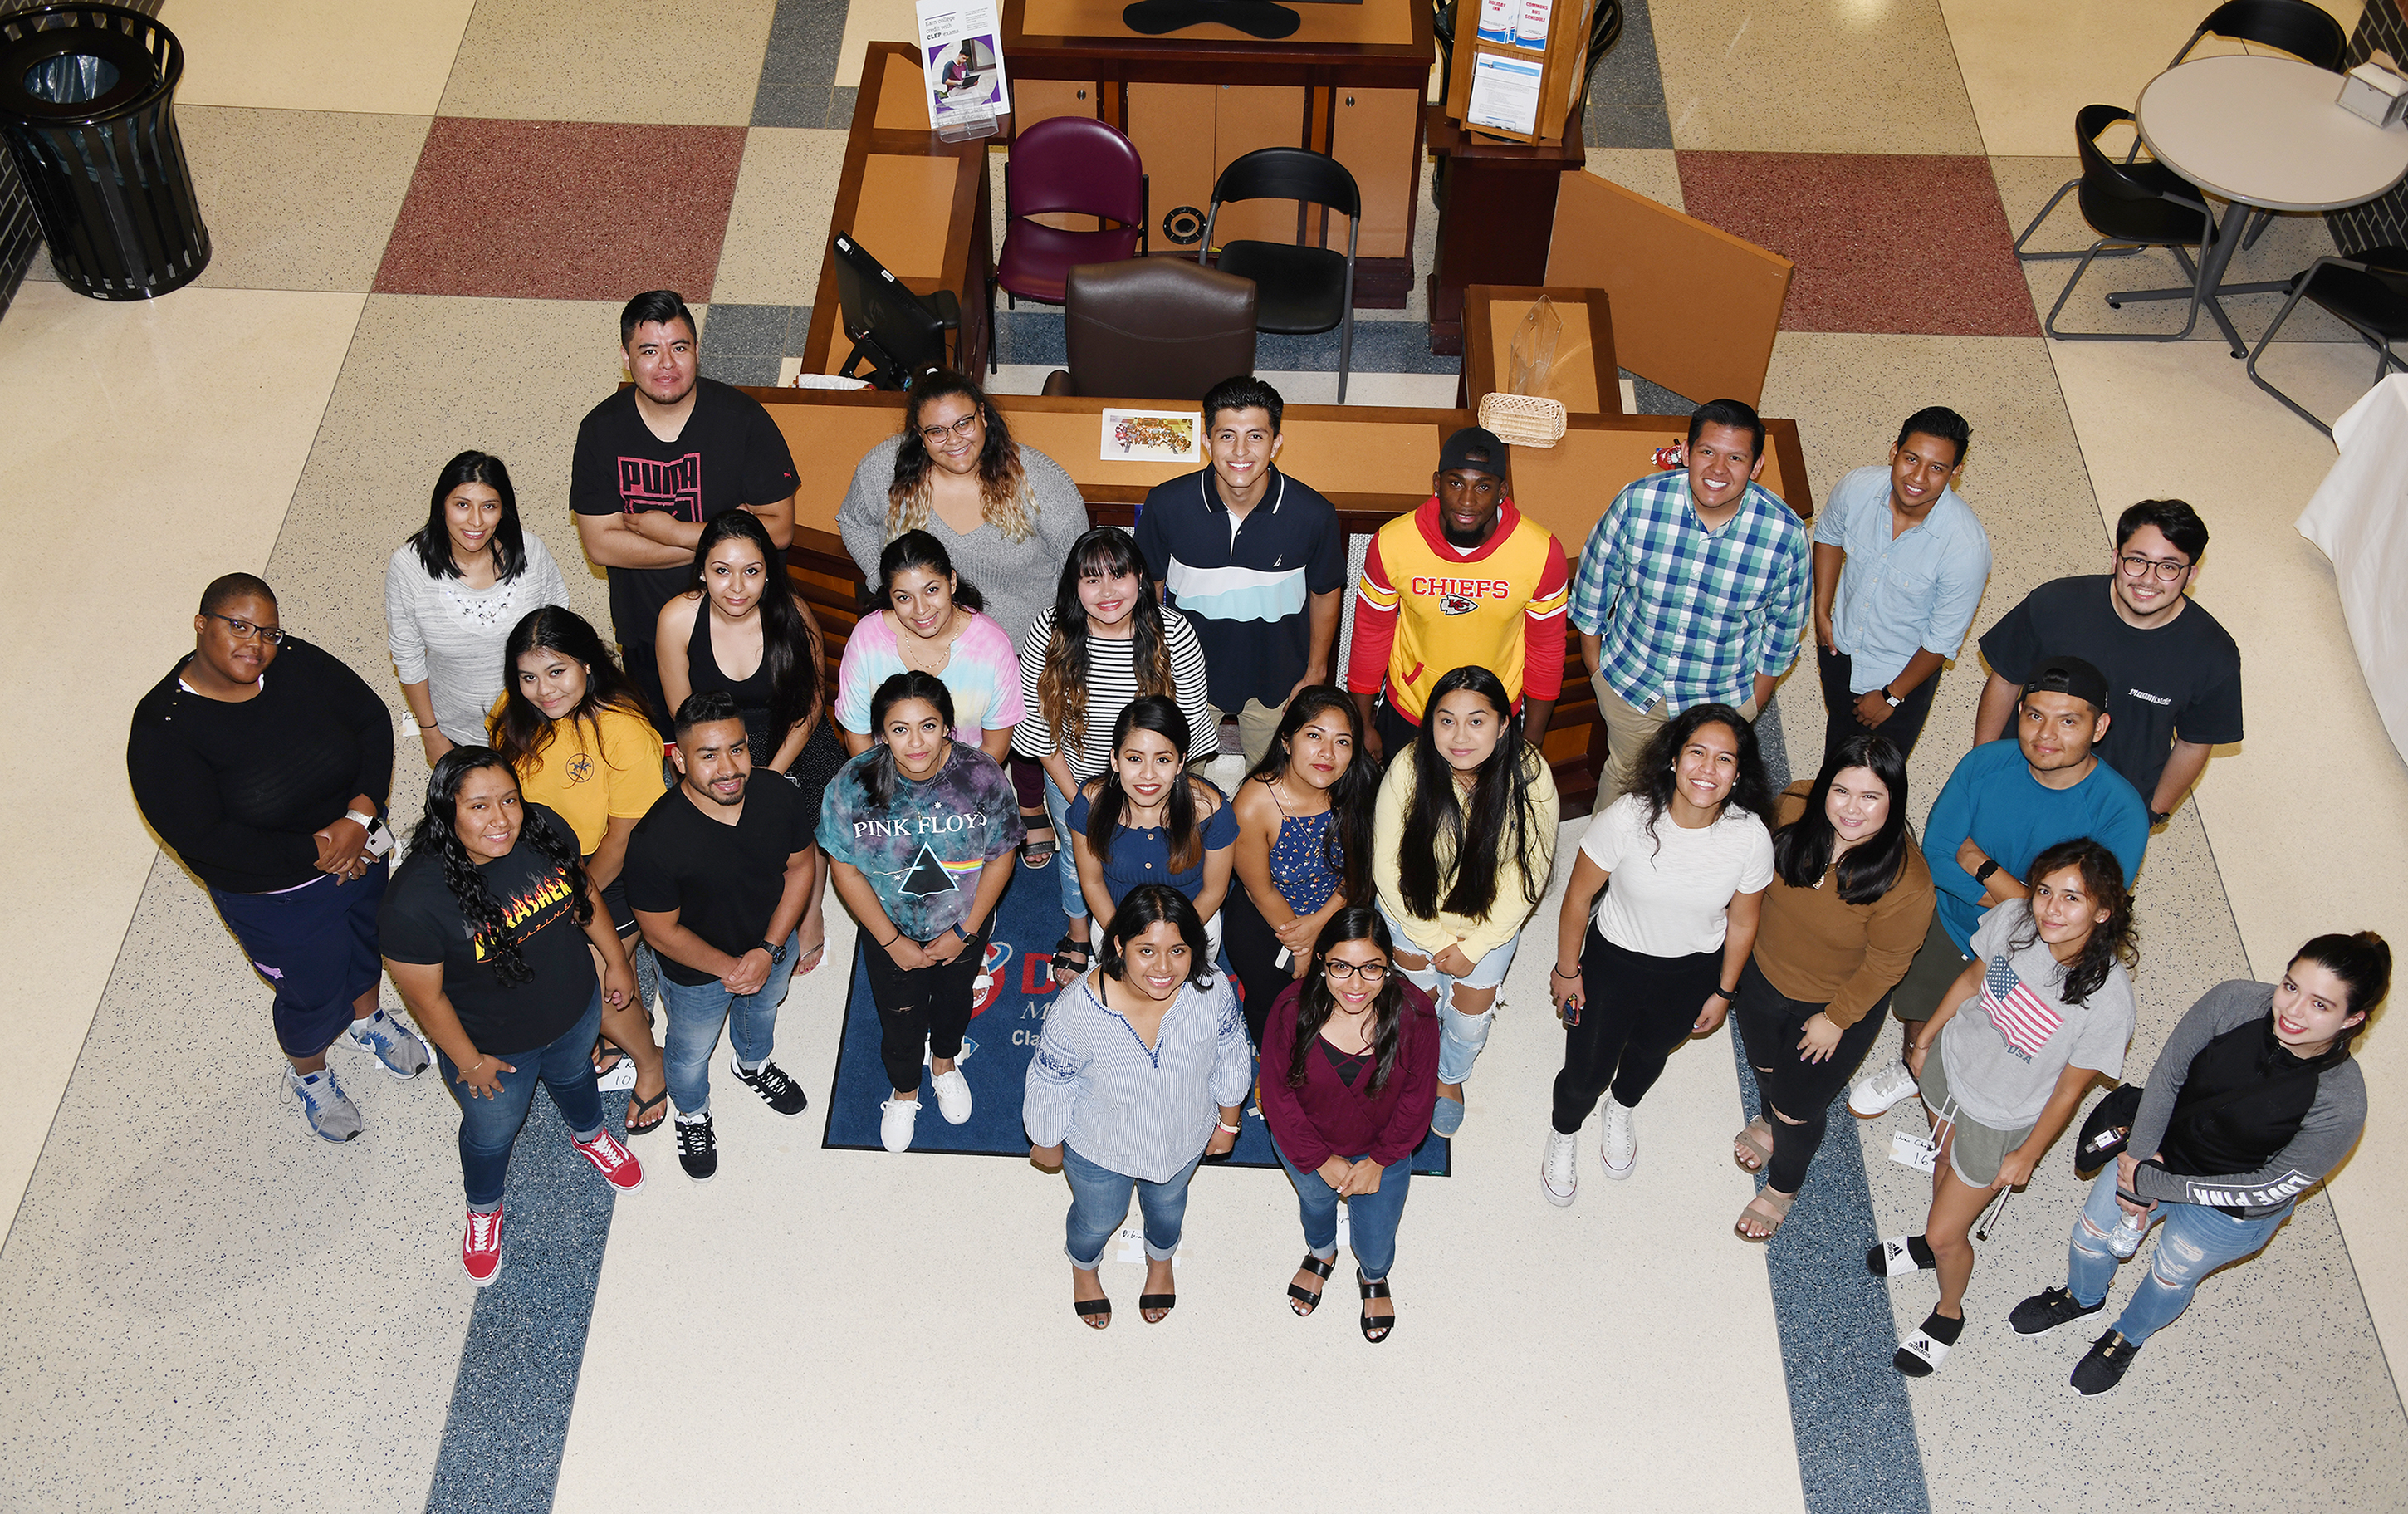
(1163, 1302)
(644, 1106)
(1311, 1302)
(604, 1047)
(1088, 1310)
(1067, 947)
(1039, 854)
(1374, 1290)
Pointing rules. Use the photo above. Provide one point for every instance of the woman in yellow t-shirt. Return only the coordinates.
(573, 727)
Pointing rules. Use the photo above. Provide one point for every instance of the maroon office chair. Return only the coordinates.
(1072, 164)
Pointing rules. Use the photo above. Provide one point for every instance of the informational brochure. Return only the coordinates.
(1505, 94)
(962, 62)
(1151, 436)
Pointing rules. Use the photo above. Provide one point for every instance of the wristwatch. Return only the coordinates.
(2158, 817)
(1982, 874)
(777, 953)
(1892, 699)
(965, 935)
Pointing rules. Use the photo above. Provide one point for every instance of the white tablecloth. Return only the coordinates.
(2359, 517)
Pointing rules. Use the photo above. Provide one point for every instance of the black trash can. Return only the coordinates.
(87, 103)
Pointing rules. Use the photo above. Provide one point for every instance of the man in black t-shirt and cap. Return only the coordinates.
(2174, 674)
(659, 459)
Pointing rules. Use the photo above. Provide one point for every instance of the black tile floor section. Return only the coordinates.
(798, 84)
(745, 344)
(1626, 92)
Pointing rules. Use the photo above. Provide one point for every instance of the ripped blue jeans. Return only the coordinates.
(2195, 1241)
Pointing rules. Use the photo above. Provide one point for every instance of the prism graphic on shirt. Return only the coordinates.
(932, 874)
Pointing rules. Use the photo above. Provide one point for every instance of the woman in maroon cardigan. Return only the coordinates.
(1348, 1074)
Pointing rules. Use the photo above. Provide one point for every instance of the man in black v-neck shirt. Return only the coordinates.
(656, 461)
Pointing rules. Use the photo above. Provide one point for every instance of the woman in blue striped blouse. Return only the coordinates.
(1134, 1056)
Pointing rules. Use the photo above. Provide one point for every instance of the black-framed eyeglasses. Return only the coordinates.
(1372, 973)
(935, 435)
(2136, 566)
(244, 631)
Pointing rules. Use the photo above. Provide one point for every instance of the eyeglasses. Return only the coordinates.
(1371, 973)
(935, 435)
(244, 631)
(2136, 566)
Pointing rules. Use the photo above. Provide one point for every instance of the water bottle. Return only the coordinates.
(2125, 1238)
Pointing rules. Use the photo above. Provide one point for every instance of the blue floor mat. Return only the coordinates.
(1002, 1037)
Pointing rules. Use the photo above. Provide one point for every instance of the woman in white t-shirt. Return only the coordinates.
(2045, 1006)
(1657, 959)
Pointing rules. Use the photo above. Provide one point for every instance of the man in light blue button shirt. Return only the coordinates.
(1899, 563)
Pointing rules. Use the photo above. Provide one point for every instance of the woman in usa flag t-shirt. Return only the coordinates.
(2044, 1007)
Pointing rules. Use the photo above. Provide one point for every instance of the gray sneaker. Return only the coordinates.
(328, 1109)
(396, 1048)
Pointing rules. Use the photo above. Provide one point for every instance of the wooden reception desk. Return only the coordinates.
(1372, 464)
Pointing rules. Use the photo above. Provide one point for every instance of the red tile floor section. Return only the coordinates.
(1887, 243)
(548, 209)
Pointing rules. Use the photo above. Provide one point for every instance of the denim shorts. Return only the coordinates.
(1487, 973)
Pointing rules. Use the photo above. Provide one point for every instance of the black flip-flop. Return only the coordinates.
(1087, 1308)
(1311, 1302)
(1374, 1290)
(604, 1047)
(638, 1106)
(1164, 1302)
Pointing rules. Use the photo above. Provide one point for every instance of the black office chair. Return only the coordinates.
(2137, 205)
(2294, 26)
(2367, 292)
(1298, 289)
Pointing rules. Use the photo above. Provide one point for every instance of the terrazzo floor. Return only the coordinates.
(426, 213)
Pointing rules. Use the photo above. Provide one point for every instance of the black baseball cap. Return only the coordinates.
(2069, 675)
(1474, 449)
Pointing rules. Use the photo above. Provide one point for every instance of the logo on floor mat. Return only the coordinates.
(988, 986)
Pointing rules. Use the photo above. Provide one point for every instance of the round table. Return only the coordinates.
(2266, 132)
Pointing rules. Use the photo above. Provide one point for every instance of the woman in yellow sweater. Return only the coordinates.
(1463, 842)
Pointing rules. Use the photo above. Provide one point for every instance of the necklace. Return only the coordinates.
(927, 654)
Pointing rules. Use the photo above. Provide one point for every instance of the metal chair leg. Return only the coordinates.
(2068, 187)
(2181, 255)
(2257, 224)
(2259, 350)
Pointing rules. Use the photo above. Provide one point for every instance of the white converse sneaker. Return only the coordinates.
(894, 1125)
(953, 1096)
(1618, 1149)
(1876, 1092)
(1559, 1169)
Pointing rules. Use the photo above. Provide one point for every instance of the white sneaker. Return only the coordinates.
(1619, 1147)
(953, 1096)
(1559, 1169)
(894, 1125)
(1875, 1093)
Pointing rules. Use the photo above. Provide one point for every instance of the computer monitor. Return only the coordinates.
(901, 334)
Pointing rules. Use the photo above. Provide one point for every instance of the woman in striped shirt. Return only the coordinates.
(1106, 639)
(1120, 1096)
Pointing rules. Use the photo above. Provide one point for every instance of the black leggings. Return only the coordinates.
(921, 1005)
(1253, 949)
(1634, 1010)
(1770, 1024)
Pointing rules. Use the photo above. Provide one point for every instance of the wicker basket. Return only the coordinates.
(1523, 420)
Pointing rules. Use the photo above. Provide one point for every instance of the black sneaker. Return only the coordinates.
(782, 1093)
(2045, 1311)
(2102, 1371)
(697, 1148)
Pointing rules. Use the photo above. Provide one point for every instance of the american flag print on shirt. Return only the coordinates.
(2024, 1019)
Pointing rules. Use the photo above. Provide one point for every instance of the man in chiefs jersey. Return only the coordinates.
(1464, 581)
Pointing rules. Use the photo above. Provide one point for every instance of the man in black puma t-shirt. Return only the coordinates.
(657, 460)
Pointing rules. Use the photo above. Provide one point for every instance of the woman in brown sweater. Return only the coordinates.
(1850, 901)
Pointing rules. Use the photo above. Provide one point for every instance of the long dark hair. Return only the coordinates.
(1354, 799)
(1801, 850)
(1149, 905)
(1500, 820)
(1652, 777)
(437, 835)
(2363, 963)
(788, 649)
(1314, 1003)
(1106, 552)
(2110, 939)
(433, 540)
(521, 732)
(918, 549)
(1006, 501)
(878, 775)
(1185, 839)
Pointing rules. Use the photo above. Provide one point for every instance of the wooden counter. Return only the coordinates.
(1585, 375)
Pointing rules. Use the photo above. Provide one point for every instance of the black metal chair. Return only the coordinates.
(2304, 31)
(1298, 290)
(2368, 292)
(2133, 205)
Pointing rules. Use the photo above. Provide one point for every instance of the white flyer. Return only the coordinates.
(1151, 436)
(963, 64)
(1505, 94)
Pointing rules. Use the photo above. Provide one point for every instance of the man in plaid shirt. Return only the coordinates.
(1693, 588)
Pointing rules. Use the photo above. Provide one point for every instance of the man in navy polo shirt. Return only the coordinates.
(1254, 559)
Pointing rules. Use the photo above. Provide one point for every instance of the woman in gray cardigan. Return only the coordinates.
(1006, 513)
(2254, 1101)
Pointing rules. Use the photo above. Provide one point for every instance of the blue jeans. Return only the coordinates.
(1066, 858)
(2194, 1241)
(1371, 1218)
(489, 1128)
(1461, 1036)
(697, 1011)
(1099, 1201)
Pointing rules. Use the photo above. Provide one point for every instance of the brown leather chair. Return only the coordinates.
(1155, 328)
